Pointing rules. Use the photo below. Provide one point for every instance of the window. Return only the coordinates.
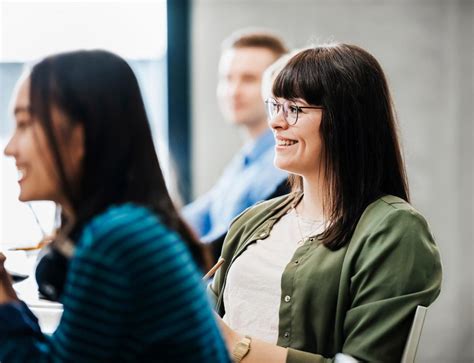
(136, 30)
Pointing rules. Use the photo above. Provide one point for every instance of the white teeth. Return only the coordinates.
(286, 142)
(21, 174)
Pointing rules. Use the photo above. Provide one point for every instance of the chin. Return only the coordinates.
(283, 166)
(27, 197)
(289, 167)
(237, 121)
(23, 198)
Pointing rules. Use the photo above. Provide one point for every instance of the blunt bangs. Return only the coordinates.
(300, 78)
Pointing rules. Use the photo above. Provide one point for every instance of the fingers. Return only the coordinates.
(7, 293)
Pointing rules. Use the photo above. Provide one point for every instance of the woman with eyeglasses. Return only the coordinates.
(124, 263)
(336, 269)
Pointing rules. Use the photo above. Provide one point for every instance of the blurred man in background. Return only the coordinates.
(250, 177)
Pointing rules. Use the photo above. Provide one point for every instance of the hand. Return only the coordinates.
(7, 293)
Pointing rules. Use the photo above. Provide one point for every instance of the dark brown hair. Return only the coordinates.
(99, 90)
(256, 39)
(361, 155)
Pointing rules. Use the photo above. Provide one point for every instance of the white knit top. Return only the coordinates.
(253, 289)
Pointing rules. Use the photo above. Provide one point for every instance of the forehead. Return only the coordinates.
(21, 97)
(248, 60)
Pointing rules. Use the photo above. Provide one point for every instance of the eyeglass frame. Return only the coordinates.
(282, 106)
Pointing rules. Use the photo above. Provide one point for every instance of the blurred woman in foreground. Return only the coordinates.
(130, 288)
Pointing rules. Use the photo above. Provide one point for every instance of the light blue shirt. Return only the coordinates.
(249, 178)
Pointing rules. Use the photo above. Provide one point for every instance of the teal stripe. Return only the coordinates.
(152, 246)
(100, 310)
(96, 325)
(173, 295)
(87, 288)
(186, 278)
(126, 224)
(177, 271)
(103, 227)
(82, 338)
(124, 240)
(89, 273)
(166, 313)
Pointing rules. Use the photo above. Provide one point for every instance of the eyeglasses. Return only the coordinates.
(290, 110)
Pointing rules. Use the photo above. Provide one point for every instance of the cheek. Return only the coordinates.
(29, 148)
(43, 156)
(317, 144)
(317, 152)
(43, 149)
(311, 148)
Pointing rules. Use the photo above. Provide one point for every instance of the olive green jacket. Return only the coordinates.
(359, 300)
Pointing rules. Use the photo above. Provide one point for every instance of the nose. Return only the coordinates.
(10, 148)
(278, 122)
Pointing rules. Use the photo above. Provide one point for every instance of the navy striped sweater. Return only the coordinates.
(132, 294)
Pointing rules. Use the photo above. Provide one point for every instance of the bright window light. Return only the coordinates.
(31, 30)
(34, 29)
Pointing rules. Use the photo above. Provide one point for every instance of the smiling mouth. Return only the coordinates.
(286, 142)
(21, 174)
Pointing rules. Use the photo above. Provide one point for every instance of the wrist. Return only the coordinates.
(241, 349)
(231, 339)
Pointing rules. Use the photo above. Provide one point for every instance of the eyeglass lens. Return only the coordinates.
(290, 110)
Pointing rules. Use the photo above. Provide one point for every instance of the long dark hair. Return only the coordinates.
(361, 154)
(99, 90)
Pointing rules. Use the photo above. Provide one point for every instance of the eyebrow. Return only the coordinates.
(20, 109)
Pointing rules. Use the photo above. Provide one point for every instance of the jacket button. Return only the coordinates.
(297, 262)
(286, 335)
(287, 298)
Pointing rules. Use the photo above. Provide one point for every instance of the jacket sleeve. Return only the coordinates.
(18, 328)
(395, 269)
(392, 270)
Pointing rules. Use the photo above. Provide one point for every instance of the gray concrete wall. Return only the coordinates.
(426, 49)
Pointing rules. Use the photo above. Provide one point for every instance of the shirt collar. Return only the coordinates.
(253, 150)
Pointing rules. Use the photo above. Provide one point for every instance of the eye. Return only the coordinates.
(293, 109)
(23, 124)
(249, 78)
